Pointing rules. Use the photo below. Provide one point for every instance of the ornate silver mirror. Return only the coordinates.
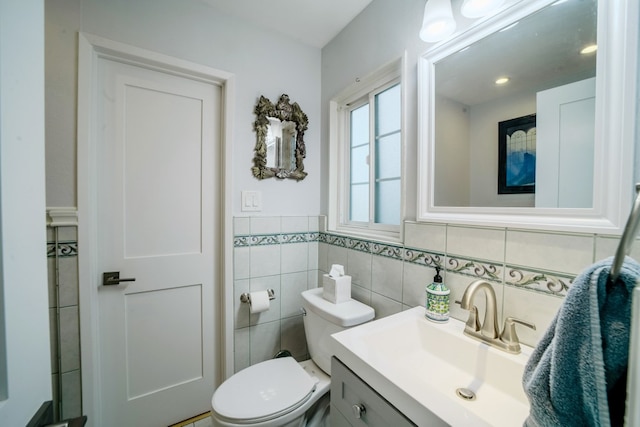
(280, 149)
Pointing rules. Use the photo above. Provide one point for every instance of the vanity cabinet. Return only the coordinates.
(354, 403)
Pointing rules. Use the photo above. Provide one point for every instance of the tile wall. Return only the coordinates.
(279, 253)
(62, 264)
(530, 271)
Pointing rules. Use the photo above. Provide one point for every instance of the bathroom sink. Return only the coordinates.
(419, 365)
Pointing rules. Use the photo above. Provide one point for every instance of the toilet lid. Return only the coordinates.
(263, 391)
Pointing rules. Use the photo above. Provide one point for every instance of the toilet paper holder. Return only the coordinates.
(245, 297)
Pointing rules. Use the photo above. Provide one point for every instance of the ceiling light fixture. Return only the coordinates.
(589, 49)
(438, 22)
(502, 80)
(479, 8)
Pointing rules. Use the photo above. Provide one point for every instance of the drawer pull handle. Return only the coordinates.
(358, 410)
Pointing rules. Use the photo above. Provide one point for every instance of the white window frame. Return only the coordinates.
(339, 145)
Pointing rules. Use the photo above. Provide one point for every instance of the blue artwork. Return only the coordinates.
(517, 155)
(521, 160)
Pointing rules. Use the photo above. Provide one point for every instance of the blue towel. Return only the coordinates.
(576, 375)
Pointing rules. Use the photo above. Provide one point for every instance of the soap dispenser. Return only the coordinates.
(437, 300)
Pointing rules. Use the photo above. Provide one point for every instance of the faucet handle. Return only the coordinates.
(509, 335)
(473, 322)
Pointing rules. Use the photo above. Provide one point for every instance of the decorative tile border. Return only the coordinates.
(64, 249)
(535, 280)
(241, 241)
(358, 245)
(264, 239)
(539, 281)
(388, 251)
(475, 268)
(427, 259)
(274, 239)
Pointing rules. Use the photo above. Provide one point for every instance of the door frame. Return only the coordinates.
(90, 49)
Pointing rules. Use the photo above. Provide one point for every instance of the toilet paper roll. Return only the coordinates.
(259, 301)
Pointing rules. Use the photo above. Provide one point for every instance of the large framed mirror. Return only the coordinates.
(583, 106)
(280, 148)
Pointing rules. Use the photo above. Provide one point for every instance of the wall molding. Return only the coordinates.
(62, 217)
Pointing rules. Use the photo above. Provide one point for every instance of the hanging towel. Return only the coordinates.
(576, 375)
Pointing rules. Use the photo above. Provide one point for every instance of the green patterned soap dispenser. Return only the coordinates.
(437, 300)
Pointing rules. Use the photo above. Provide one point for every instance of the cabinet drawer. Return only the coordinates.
(358, 403)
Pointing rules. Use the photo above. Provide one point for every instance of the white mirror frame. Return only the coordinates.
(615, 128)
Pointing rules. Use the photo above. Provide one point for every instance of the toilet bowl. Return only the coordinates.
(282, 392)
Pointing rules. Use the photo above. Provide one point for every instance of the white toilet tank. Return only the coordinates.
(324, 318)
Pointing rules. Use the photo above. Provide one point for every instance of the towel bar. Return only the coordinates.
(628, 235)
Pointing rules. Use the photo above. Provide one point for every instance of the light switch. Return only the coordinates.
(251, 201)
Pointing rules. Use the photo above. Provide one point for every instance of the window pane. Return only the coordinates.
(359, 126)
(359, 166)
(359, 203)
(388, 202)
(388, 110)
(388, 156)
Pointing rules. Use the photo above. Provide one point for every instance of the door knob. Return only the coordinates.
(113, 278)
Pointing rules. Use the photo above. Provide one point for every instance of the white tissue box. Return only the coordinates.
(336, 289)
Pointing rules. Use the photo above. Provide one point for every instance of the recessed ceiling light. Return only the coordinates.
(589, 49)
(502, 80)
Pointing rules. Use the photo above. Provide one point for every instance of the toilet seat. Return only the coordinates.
(263, 391)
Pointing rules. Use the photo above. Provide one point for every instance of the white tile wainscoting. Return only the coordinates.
(530, 271)
(62, 265)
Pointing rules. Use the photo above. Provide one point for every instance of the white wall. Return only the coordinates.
(484, 119)
(467, 168)
(380, 34)
(453, 153)
(25, 366)
(264, 63)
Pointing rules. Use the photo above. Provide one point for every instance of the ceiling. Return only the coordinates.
(312, 22)
(540, 52)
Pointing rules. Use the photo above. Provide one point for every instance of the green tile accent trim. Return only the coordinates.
(474, 268)
(553, 283)
(63, 250)
(540, 281)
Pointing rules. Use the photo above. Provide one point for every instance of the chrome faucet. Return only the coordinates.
(488, 331)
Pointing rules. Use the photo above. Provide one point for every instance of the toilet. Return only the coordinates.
(282, 392)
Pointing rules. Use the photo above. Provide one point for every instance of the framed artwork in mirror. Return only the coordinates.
(517, 155)
(280, 149)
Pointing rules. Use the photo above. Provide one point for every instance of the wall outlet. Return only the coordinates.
(251, 201)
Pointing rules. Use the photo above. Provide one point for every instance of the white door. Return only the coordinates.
(158, 137)
(565, 145)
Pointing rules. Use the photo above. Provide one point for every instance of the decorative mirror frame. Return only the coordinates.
(283, 110)
(616, 87)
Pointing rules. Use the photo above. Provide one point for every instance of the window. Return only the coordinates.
(367, 144)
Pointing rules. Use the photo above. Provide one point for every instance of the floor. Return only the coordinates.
(202, 420)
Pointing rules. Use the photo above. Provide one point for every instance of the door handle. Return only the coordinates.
(113, 278)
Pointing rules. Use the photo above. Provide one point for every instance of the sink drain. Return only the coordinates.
(466, 394)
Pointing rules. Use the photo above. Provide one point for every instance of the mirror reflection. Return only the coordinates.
(281, 143)
(280, 148)
(544, 76)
